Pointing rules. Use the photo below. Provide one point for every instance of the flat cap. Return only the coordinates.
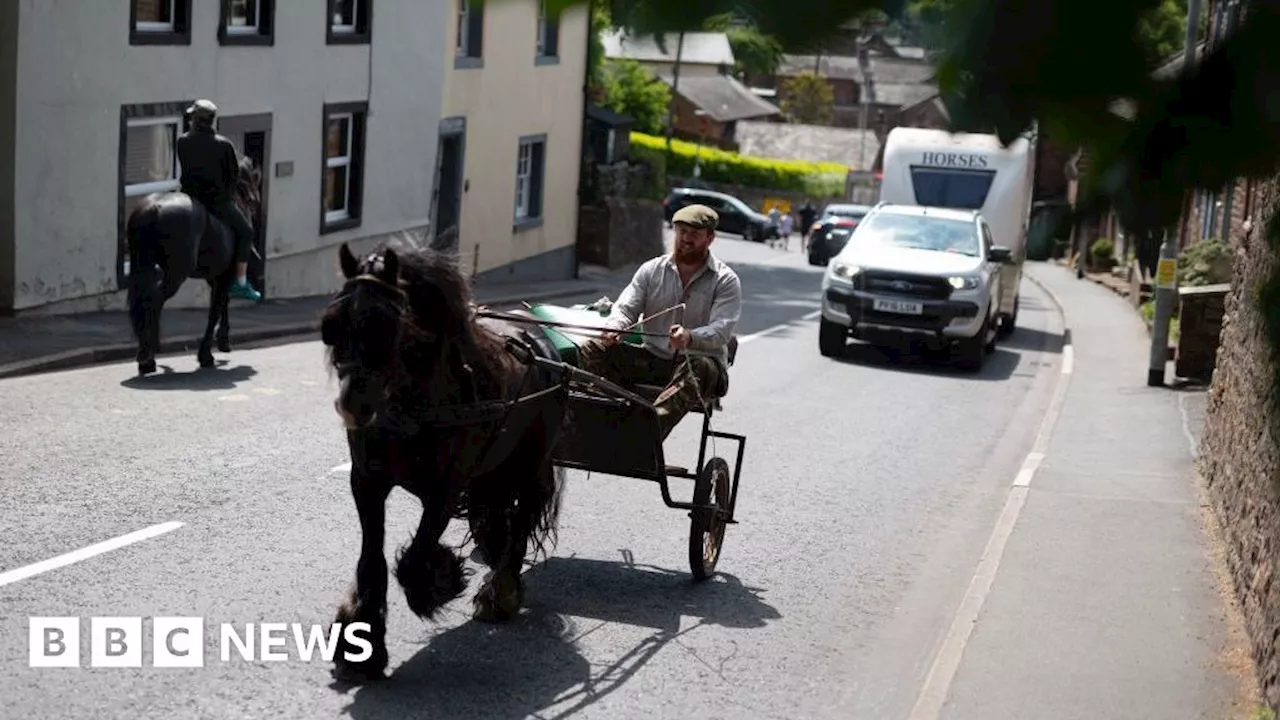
(699, 216)
(204, 106)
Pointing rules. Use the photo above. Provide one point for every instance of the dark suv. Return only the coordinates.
(832, 229)
(736, 217)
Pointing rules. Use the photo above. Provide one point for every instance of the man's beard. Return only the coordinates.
(690, 254)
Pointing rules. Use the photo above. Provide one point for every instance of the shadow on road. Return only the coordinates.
(200, 380)
(1034, 340)
(1000, 365)
(532, 665)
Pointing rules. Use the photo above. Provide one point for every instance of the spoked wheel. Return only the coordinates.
(706, 530)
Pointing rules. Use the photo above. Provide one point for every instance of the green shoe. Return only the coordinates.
(245, 292)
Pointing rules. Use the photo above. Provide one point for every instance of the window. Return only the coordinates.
(963, 189)
(247, 22)
(342, 183)
(529, 181)
(920, 232)
(148, 162)
(160, 22)
(469, 36)
(350, 22)
(548, 36)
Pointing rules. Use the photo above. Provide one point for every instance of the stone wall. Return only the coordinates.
(619, 232)
(1239, 461)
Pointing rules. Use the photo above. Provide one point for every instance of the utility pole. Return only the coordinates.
(675, 88)
(864, 93)
(1167, 269)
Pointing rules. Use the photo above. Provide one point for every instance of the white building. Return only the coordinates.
(339, 101)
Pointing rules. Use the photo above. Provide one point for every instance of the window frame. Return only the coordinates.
(535, 208)
(468, 35)
(359, 33)
(548, 34)
(176, 32)
(262, 34)
(353, 214)
(135, 115)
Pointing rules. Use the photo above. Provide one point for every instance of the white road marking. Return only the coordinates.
(937, 683)
(266, 391)
(775, 328)
(76, 556)
(233, 398)
(344, 467)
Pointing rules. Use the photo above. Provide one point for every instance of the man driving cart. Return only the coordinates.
(712, 296)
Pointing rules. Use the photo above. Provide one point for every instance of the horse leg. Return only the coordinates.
(224, 321)
(366, 601)
(430, 574)
(218, 289)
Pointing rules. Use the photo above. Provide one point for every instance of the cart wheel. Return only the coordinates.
(706, 531)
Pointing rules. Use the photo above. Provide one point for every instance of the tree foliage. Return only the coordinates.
(807, 98)
(630, 89)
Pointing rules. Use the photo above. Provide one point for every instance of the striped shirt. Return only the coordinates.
(713, 304)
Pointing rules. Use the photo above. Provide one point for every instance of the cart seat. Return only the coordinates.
(651, 392)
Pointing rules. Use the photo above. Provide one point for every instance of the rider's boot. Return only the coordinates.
(242, 289)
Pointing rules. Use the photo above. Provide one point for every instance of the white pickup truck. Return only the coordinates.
(913, 273)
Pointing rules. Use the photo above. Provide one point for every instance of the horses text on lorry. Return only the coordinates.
(970, 172)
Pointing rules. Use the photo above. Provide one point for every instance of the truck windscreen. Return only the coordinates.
(950, 187)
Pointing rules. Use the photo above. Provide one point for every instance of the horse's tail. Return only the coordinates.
(142, 232)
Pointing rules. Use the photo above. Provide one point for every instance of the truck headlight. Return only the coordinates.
(844, 271)
(963, 282)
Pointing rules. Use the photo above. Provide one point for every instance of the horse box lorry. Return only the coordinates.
(969, 172)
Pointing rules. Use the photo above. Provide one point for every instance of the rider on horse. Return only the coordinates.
(209, 171)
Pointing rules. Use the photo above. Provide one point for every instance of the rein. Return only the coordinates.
(572, 326)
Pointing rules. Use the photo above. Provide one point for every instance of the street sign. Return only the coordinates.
(1167, 273)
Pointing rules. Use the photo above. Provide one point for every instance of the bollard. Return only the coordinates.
(1165, 296)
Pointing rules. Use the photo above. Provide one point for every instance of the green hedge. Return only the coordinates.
(817, 179)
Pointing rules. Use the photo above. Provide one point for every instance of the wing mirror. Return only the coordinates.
(1000, 254)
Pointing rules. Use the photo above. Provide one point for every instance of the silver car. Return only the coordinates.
(914, 273)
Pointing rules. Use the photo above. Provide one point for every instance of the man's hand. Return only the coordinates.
(679, 337)
(610, 338)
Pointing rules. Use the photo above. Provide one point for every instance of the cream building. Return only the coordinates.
(337, 99)
(511, 137)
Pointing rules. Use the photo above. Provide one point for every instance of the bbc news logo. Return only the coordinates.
(179, 642)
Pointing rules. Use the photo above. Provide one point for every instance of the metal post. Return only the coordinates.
(1166, 269)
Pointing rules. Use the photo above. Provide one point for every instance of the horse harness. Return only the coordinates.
(480, 412)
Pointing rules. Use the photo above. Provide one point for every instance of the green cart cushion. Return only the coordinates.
(566, 340)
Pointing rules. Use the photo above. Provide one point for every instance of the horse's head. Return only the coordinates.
(362, 328)
(248, 189)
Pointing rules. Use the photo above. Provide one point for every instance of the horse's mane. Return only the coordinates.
(438, 288)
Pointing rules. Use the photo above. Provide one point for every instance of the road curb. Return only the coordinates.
(285, 332)
(1057, 302)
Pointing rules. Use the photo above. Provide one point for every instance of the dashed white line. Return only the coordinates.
(344, 467)
(937, 683)
(775, 328)
(76, 556)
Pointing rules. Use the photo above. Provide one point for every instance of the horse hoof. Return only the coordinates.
(224, 345)
(206, 361)
(499, 602)
(146, 368)
(356, 674)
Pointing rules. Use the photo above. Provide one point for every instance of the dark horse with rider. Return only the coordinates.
(201, 231)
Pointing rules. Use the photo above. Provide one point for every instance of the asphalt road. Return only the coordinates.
(868, 491)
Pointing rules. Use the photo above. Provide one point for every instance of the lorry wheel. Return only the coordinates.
(831, 338)
(1008, 323)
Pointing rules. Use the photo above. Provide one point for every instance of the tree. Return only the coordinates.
(807, 98)
(630, 89)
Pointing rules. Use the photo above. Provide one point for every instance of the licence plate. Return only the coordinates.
(901, 307)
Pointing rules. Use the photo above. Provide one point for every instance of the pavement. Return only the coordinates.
(862, 580)
(40, 343)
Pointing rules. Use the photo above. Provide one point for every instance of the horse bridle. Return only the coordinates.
(401, 304)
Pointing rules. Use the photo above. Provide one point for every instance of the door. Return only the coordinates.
(446, 211)
(251, 134)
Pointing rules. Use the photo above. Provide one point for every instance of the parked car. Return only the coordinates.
(736, 217)
(832, 229)
(918, 273)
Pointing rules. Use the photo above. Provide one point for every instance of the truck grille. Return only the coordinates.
(904, 284)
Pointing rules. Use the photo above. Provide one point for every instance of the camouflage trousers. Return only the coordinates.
(629, 365)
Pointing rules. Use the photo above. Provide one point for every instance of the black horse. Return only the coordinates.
(451, 408)
(171, 238)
